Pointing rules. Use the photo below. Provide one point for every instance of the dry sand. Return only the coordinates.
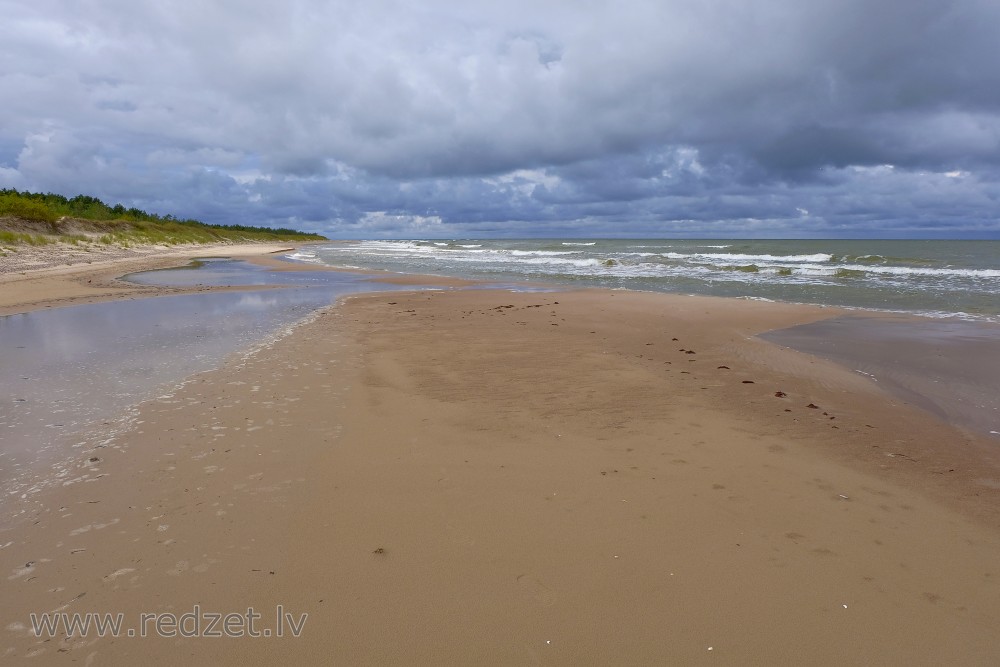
(481, 477)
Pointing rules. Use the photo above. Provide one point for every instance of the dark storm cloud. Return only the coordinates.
(458, 118)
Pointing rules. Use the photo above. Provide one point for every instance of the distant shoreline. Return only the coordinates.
(49, 276)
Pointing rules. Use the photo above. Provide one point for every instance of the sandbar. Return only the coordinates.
(495, 477)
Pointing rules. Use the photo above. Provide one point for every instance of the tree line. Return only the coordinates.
(49, 207)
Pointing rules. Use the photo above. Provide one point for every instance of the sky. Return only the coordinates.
(466, 119)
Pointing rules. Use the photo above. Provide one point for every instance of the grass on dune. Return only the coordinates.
(40, 219)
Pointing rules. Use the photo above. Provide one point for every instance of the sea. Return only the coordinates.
(932, 278)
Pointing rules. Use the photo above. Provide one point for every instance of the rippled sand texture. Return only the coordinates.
(478, 477)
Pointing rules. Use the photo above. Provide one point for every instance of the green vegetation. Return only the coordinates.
(25, 208)
(39, 219)
(20, 237)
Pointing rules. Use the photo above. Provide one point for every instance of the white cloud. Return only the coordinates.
(484, 114)
(378, 223)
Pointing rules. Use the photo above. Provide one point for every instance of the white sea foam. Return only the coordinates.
(739, 257)
(394, 246)
(561, 261)
(921, 271)
(540, 253)
(303, 257)
(814, 270)
(844, 272)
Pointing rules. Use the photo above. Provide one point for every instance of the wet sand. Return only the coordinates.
(467, 477)
(950, 368)
(67, 280)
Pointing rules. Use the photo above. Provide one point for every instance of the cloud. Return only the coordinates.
(531, 117)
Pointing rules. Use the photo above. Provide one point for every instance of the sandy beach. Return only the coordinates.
(48, 277)
(477, 476)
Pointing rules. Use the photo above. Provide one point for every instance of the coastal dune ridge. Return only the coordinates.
(559, 475)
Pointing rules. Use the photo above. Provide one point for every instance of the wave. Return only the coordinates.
(815, 265)
(390, 245)
(539, 253)
(869, 259)
(919, 271)
(303, 257)
(562, 261)
(739, 257)
(854, 274)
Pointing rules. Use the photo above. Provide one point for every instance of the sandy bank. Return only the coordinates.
(59, 278)
(567, 478)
